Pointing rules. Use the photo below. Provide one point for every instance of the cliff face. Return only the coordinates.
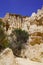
(14, 21)
(34, 23)
(35, 44)
(34, 26)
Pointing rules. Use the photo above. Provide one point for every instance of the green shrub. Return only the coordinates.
(21, 35)
(20, 41)
(2, 24)
(4, 42)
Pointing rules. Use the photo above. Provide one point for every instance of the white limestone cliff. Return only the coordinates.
(34, 26)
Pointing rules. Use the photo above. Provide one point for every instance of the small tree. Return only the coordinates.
(21, 38)
(3, 37)
(2, 24)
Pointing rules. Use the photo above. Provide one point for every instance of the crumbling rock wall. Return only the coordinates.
(34, 26)
(34, 48)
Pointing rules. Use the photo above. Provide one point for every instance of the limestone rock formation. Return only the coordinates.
(34, 26)
(22, 61)
(7, 57)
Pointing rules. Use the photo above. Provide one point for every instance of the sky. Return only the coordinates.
(23, 7)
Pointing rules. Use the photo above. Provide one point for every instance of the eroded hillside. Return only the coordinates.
(34, 26)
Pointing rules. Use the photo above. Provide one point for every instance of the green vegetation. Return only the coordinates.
(20, 41)
(3, 37)
(2, 24)
(21, 35)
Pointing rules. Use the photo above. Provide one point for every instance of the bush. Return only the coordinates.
(21, 39)
(2, 24)
(3, 37)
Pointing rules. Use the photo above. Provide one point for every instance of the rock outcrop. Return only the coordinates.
(35, 43)
(7, 57)
(34, 26)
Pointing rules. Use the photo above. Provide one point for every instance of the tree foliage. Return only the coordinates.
(20, 41)
(3, 37)
(2, 24)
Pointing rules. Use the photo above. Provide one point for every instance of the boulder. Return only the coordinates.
(7, 57)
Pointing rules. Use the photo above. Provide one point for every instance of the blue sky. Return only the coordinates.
(23, 7)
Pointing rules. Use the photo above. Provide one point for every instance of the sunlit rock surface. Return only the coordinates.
(34, 26)
(7, 58)
(22, 61)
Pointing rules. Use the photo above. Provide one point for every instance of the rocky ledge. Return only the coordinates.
(7, 58)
